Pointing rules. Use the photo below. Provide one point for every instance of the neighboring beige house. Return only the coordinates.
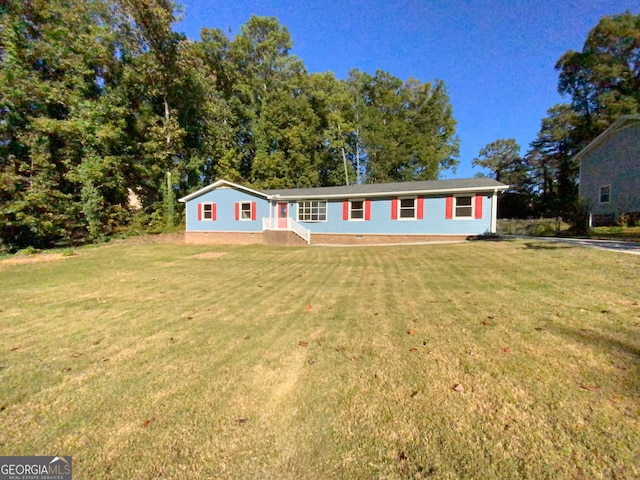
(610, 172)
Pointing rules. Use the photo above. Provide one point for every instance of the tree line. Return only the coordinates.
(602, 82)
(101, 100)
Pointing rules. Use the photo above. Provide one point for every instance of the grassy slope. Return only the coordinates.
(184, 362)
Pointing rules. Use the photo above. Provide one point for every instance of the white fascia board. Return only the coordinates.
(393, 194)
(218, 184)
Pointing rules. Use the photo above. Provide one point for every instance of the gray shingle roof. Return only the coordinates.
(379, 189)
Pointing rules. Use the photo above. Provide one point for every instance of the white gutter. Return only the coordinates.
(392, 194)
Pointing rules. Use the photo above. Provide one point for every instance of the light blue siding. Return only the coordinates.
(433, 223)
(225, 199)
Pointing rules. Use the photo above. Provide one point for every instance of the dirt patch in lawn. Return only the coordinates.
(208, 255)
(42, 257)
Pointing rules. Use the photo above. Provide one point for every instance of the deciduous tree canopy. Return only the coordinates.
(101, 99)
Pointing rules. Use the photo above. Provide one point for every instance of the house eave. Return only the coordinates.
(222, 183)
(402, 193)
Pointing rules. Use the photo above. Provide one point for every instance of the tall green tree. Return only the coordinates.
(502, 159)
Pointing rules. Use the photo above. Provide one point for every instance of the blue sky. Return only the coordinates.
(496, 57)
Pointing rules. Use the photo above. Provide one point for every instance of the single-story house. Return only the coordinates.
(610, 172)
(225, 212)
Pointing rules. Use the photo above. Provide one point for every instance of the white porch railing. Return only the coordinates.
(292, 225)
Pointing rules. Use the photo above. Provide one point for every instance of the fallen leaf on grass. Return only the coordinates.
(591, 388)
(148, 422)
(484, 322)
(76, 355)
(14, 349)
(540, 329)
(605, 311)
(303, 344)
(472, 353)
(414, 393)
(240, 421)
(490, 317)
(458, 388)
(308, 307)
(66, 369)
(311, 361)
(506, 350)
(411, 332)
(634, 304)
(413, 349)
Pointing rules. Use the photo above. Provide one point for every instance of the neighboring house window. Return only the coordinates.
(605, 194)
(207, 211)
(407, 208)
(246, 211)
(463, 207)
(356, 210)
(312, 211)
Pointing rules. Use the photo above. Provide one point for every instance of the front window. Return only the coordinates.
(357, 210)
(245, 211)
(312, 211)
(605, 194)
(407, 208)
(207, 211)
(464, 207)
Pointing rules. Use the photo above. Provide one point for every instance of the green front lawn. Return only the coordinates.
(184, 362)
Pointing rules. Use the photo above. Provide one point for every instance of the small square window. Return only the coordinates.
(407, 208)
(357, 210)
(208, 211)
(245, 211)
(605, 194)
(464, 207)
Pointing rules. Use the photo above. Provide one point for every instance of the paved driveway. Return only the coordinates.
(613, 245)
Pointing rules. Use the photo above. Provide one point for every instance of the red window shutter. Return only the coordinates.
(253, 211)
(367, 209)
(345, 210)
(478, 213)
(213, 212)
(449, 209)
(237, 211)
(394, 209)
(199, 211)
(420, 208)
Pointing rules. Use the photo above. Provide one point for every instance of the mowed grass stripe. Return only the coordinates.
(148, 352)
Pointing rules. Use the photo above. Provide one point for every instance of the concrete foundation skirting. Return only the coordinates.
(379, 239)
(288, 238)
(223, 238)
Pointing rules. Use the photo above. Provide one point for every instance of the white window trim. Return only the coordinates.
(415, 209)
(204, 219)
(364, 210)
(600, 194)
(250, 212)
(473, 207)
(326, 210)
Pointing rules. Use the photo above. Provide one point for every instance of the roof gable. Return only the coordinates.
(622, 122)
(222, 183)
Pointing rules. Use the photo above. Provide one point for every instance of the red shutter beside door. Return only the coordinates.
(449, 208)
(237, 211)
(253, 211)
(367, 209)
(345, 210)
(199, 211)
(213, 212)
(420, 211)
(394, 209)
(478, 212)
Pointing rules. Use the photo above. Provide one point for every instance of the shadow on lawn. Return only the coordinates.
(624, 354)
(547, 246)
